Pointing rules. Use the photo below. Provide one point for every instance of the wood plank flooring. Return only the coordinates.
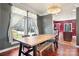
(63, 50)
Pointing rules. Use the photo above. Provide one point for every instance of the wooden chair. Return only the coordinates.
(34, 35)
(56, 41)
(25, 35)
(43, 47)
(56, 38)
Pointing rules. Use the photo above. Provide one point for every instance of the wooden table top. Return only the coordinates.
(34, 40)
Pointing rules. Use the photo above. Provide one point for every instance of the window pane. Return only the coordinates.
(18, 11)
(32, 24)
(17, 23)
(67, 27)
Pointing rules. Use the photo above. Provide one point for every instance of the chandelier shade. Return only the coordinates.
(54, 9)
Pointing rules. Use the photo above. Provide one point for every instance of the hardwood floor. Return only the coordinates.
(13, 52)
(63, 50)
(72, 43)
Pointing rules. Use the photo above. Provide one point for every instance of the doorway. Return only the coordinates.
(67, 34)
(67, 27)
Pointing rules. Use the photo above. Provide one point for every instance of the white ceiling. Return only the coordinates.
(41, 8)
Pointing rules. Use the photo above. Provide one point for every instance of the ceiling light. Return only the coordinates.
(54, 9)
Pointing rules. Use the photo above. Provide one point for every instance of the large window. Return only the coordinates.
(21, 24)
(32, 24)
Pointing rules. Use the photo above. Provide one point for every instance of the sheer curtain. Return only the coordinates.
(15, 19)
(16, 15)
(32, 24)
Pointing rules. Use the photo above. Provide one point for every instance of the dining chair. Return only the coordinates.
(56, 41)
(34, 34)
(25, 35)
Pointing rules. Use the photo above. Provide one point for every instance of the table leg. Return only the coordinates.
(20, 48)
(34, 50)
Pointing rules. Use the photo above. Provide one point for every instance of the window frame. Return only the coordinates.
(25, 26)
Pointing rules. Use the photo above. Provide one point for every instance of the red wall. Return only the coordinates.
(60, 25)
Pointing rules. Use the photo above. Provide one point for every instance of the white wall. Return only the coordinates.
(64, 16)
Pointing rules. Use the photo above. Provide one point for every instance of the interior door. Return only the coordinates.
(67, 34)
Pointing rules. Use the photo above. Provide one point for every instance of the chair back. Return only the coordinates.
(34, 35)
(25, 35)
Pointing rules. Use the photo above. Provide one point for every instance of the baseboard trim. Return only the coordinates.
(7, 49)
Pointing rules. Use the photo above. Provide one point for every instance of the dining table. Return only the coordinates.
(34, 41)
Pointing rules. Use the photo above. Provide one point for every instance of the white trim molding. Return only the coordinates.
(7, 49)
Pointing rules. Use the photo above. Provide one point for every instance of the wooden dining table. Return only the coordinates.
(33, 41)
